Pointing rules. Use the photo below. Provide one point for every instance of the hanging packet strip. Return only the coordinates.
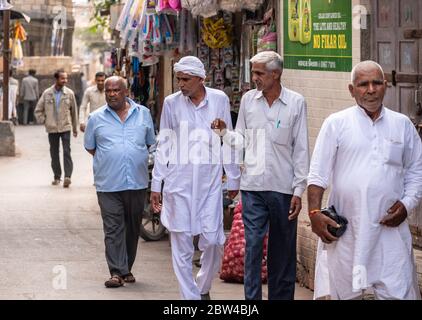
(156, 32)
(139, 19)
(124, 17)
(166, 29)
(136, 20)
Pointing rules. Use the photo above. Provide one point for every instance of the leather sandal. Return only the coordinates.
(114, 282)
(129, 278)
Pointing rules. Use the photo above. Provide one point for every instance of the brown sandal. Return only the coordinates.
(114, 282)
(129, 278)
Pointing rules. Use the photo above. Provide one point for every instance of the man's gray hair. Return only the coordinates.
(272, 60)
(368, 64)
(122, 81)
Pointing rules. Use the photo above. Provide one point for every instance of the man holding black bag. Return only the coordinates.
(372, 158)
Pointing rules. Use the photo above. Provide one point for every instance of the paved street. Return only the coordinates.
(48, 234)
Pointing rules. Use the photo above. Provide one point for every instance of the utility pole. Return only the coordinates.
(5, 9)
(6, 52)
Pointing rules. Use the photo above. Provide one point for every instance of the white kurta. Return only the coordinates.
(189, 162)
(369, 166)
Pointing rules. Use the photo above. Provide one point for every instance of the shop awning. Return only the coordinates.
(15, 15)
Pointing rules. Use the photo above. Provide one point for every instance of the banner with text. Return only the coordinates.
(318, 35)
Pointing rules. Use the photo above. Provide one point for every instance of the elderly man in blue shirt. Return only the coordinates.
(118, 135)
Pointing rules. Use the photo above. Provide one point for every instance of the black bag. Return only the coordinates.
(342, 221)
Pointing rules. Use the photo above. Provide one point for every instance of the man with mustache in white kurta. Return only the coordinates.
(190, 161)
(372, 158)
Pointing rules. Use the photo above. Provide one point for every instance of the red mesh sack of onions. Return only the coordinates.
(234, 252)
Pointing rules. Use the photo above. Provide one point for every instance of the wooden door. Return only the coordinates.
(397, 47)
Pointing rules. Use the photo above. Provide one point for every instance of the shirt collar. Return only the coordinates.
(58, 91)
(363, 113)
(97, 90)
(204, 102)
(282, 97)
(133, 107)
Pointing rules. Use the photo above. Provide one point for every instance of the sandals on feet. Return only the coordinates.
(114, 282)
(129, 278)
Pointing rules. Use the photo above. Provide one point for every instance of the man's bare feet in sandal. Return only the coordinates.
(129, 278)
(114, 282)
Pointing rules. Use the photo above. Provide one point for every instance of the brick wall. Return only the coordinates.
(46, 65)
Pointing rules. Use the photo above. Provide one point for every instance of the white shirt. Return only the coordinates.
(369, 165)
(192, 193)
(91, 101)
(275, 141)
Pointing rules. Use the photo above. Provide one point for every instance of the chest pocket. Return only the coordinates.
(138, 135)
(281, 135)
(393, 152)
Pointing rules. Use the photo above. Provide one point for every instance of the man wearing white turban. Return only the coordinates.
(189, 160)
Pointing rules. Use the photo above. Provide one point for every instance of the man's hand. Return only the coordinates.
(319, 227)
(295, 207)
(82, 126)
(75, 134)
(395, 215)
(155, 200)
(232, 194)
(219, 127)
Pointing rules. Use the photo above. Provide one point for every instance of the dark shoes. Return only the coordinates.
(205, 296)
(114, 282)
(66, 182)
(55, 182)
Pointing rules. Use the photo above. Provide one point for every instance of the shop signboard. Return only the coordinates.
(318, 35)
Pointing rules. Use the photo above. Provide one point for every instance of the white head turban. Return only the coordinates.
(190, 65)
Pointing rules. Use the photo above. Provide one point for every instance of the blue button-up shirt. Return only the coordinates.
(121, 153)
(58, 96)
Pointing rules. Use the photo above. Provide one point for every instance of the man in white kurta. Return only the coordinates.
(372, 159)
(189, 160)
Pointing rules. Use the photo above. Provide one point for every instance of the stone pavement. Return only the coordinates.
(51, 238)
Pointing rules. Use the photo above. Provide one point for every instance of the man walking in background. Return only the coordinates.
(57, 110)
(94, 97)
(29, 94)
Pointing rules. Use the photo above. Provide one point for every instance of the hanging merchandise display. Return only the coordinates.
(169, 6)
(149, 28)
(209, 8)
(239, 5)
(267, 34)
(204, 8)
(216, 33)
(219, 54)
(19, 35)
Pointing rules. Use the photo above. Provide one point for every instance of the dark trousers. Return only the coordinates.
(28, 111)
(121, 212)
(54, 139)
(262, 211)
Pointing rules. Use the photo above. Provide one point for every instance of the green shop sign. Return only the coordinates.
(318, 35)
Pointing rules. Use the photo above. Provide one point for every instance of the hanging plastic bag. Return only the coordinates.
(17, 53)
(169, 6)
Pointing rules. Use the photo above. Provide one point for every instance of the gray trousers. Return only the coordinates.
(121, 212)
